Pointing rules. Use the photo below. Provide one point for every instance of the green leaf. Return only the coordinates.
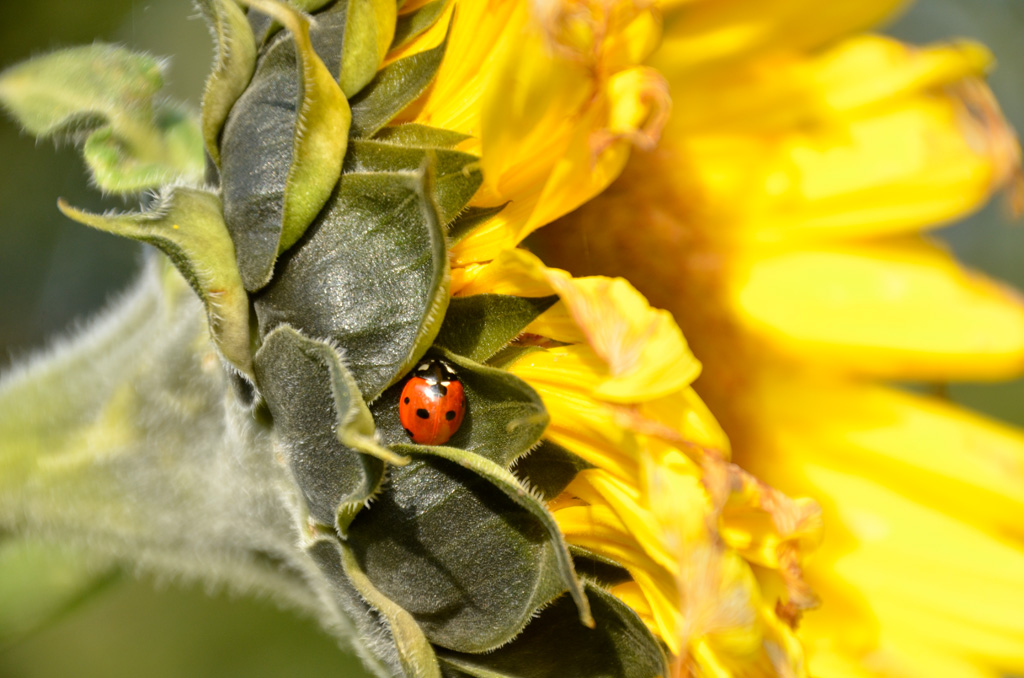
(102, 96)
(323, 424)
(597, 568)
(414, 135)
(414, 651)
(232, 69)
(268, 209)
(456, 175)
(479, 326)
(467, 562)
(371, 277)
(470, 218)
(514, 490)
(187, 225)
(393, 88)
(548, 469)
(116, 169)
(369, 28)
(416, 22)
(377, 648)
(264, 26)
(555, 644)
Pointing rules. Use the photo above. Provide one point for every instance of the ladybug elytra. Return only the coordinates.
(432, 403)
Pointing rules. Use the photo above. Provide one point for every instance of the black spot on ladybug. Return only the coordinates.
(422, 413)
(408, 432)
(443, 388)
(406, 401)
(449, 415)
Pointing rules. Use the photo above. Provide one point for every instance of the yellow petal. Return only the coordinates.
(558, 324)
(939, 455)
(903, 310)
(803, 91)
(701, 33)
(955, 588)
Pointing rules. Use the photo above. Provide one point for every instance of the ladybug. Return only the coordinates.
(432, 403)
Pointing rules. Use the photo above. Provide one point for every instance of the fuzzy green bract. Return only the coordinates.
(257, 427)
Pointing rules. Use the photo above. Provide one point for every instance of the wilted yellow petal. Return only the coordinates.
(904, 310)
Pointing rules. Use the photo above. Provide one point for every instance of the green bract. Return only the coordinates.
(317, 244)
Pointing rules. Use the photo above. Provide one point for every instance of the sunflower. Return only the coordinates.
(786, 206)
(373, 175)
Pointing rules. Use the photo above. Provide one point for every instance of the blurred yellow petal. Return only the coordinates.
(957, 588)
(934, 451)
(700, 33)
(904, 310)
(790, 92)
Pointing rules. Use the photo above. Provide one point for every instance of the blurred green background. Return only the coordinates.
(54, 274)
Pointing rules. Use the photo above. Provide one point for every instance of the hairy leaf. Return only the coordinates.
(371, 276)
(469, 220)
(274, 189)
(322, 424)
(414, 23)
(456, 175)
(186, 224)
(232, 69)
(102, 96)
(479, 326)
(414, 135)
(393, 88)
(619, 646)
(368, 32)
(548, 469)
(468, 563)
(414, 651)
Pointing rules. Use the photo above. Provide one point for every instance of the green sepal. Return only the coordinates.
(371, 276)
(393, 88)
(514, 490)
(323, 424)
(456, 175)
(319, 138)
(102, 96)
(414, 23)
(264, 27)
(597, 568)
(479, 326)
(415, 653)
(554, 644)
(377, 647)
(548, 469)
(415, 135)
(470, 218)
(467, 562)
(186, 224)
(369, 28)
(232, 69)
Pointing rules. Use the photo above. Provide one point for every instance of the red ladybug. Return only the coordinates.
(432, 404)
